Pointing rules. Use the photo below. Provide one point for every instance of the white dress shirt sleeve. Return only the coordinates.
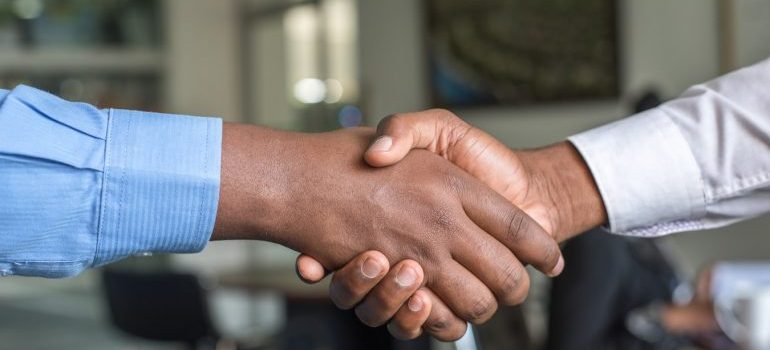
(697, 162)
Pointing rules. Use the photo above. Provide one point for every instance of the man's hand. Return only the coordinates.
(552, 185)
(313, 193)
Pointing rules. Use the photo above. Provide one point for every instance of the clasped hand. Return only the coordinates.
(459, 216)
(478, 240)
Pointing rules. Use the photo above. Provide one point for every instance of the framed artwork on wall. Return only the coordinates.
(521, 52)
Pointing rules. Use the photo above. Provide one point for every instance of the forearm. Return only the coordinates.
(561, 176)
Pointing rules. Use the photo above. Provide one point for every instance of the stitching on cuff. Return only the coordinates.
(743, 184)
(204, 189)
(122, 195)
(664, 228)
(105, 182)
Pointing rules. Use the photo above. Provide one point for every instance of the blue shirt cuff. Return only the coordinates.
(161, 184)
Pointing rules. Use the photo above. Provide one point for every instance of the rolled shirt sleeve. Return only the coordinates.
(82, 187)
(697, 162)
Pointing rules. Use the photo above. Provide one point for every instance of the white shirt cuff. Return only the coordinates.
(646, 173)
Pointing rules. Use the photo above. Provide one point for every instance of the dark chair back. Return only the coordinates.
(159, 306)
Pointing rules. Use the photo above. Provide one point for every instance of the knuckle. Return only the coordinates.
(369, 318)
(481, 310)
(340, 303)
(387, 303)
(341, 292)
(451, 335)
(510, 285)
(439, 324)
(455, 183)
(551, 254)
(445, 114)
(399, 332)
(442, 219)
(517, 226)
(518, 293)
(427, 257)
(452, 121)
(391, 121)
(339, 298)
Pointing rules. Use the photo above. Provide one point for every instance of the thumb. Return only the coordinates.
(399, 133)
(310, 270)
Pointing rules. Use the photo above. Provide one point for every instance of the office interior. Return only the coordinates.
(320, 65)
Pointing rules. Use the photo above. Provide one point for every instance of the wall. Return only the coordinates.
(202, 58)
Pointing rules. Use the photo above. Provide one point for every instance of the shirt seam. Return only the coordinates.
(121, 196)
(201, 219)
(704, 198)
(105, 183)
(665, 228)
(743, 184)
(26, 261)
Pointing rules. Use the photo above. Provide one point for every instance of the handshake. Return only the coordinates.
(426, 223)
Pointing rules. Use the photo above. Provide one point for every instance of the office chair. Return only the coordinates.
(161, 306)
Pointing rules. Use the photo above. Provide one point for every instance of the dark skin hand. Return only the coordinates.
(314, 193)
(552, 185)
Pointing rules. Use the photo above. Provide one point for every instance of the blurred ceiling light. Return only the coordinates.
(334, 91)
(28, 9)
(310, 90)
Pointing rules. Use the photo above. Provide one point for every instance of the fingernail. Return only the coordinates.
(371, 268)
(415, 304)
(558, 268)
(406, 277)
(382, 144)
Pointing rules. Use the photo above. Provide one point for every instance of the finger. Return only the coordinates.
(397, 134)
(390, 294)
(407, 323)
(310, 270)
(352, 282)
(442, 323)
(528, 241)
(465, 294)
(494, 264)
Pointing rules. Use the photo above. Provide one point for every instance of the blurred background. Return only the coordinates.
(528, 72)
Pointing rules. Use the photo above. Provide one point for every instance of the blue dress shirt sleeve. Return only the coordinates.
(82, 187)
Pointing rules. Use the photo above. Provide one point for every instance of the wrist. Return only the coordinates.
(562, 179)
(255, 187)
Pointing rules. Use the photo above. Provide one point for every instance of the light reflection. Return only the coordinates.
(310, 90)
(334, 91)
(350, 116)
